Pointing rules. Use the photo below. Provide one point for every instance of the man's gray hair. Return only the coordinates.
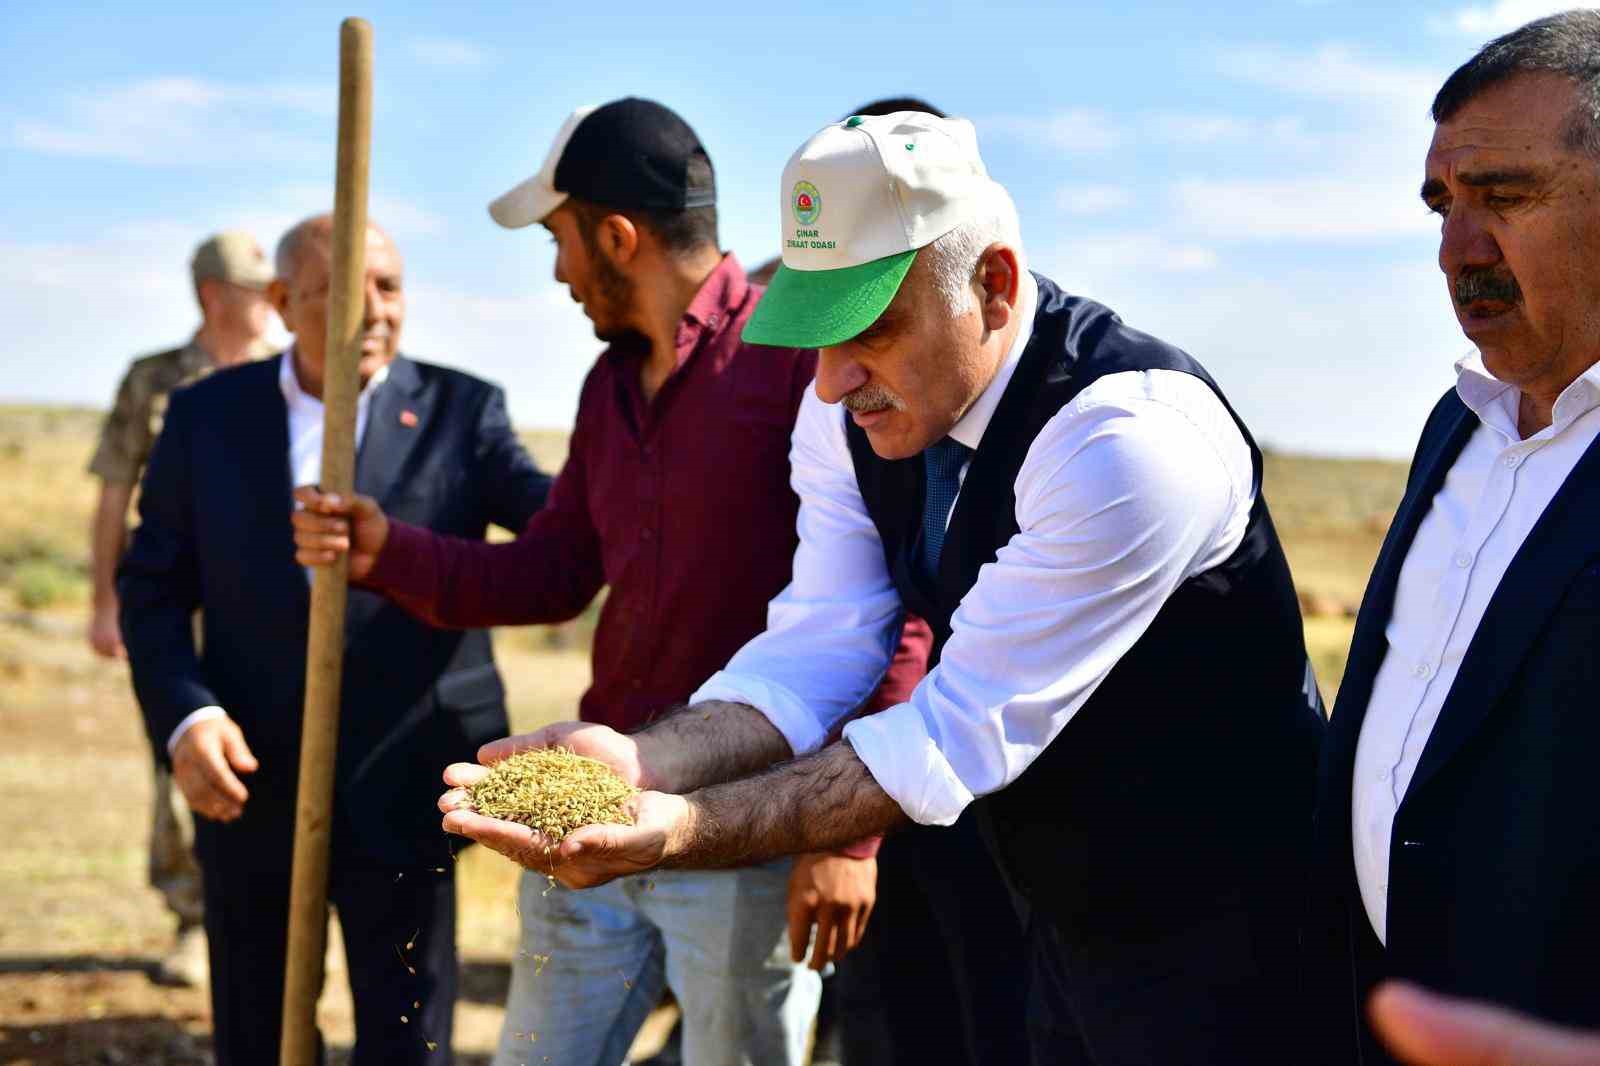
(953, 258)
(286, 257)
(1566, 44)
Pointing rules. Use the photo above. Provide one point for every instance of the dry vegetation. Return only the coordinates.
(80, 931)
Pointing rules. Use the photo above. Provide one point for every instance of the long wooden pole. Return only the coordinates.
(341, 383)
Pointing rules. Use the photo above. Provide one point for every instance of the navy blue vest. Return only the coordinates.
(1184, 787)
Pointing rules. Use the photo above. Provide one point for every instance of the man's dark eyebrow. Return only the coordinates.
(1434, 188)
(1516, 176)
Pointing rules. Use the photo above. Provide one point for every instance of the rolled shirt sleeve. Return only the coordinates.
(1143, 481)
(832, 632)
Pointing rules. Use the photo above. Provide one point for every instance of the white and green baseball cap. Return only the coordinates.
(858, 200)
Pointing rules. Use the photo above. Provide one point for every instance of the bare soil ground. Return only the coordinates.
(80, 931)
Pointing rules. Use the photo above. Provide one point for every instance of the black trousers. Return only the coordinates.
(1224, 991)
(940, 976)
(400, 951)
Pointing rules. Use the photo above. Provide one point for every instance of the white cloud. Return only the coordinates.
(403, 218)
(1088, 131)
(1077, 131)
(183, 121)
(447, 53)
(1093, 199)
(1332, 72)
(1502, 15)
(1093, 255)
(1198, 129)
(1322, 209)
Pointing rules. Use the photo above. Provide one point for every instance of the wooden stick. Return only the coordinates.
(341, 383)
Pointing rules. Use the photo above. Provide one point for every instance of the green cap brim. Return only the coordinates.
(818, 308)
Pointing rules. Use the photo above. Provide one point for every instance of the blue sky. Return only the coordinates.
(1240, 179)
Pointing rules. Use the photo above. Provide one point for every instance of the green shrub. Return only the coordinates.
(42, 583)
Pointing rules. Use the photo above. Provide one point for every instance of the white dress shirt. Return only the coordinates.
(1142, 481)
(1488, 504)
(305, 468)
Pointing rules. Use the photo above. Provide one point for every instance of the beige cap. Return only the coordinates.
(231, 256)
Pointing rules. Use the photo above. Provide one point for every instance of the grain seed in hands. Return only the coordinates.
(554, 791)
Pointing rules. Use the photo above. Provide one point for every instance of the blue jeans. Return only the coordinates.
(593, 963)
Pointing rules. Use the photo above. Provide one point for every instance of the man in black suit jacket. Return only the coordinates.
(1460, 799)
(437, 448)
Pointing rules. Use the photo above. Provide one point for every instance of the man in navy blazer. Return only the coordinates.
(436, 446)
(1460, 798)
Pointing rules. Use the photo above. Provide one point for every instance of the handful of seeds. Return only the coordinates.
(553, 790)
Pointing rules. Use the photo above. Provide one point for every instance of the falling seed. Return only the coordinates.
(625, 982)
(431, 1045)
(417, 1004)
(404, 1020)
(438, 869)
(398, 876)
(538, 964)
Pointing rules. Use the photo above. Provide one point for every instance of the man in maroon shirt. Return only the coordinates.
(676, 496)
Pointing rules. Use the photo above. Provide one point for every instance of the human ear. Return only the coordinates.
(620, 238)
(278, 296)
(999, 280)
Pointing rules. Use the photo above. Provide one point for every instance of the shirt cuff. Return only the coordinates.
(905, 760)
(786, 711)
(403, 559)
(202, 714)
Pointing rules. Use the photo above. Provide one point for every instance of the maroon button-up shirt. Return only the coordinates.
(681, 505)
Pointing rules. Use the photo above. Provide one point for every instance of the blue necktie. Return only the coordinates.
(942, 463)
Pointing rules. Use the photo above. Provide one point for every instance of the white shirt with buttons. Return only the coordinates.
(1489, 503)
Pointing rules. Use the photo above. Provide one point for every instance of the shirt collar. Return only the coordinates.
(715, 304)
(1495, 402)
(969, 430)
(295, 396)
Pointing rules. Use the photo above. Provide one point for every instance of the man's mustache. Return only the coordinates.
(1486, 283)
(872, 397)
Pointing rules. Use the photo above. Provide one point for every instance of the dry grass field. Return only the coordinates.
(80, 930)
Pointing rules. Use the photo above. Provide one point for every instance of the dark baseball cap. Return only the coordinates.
(630, 153)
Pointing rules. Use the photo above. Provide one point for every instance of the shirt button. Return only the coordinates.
(1384, 888)
(1511, 461)
(1463, 560)
(1383, 775)
(1423, 670)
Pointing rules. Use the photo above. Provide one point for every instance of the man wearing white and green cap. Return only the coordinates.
(1120, 686)
(230, 275)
